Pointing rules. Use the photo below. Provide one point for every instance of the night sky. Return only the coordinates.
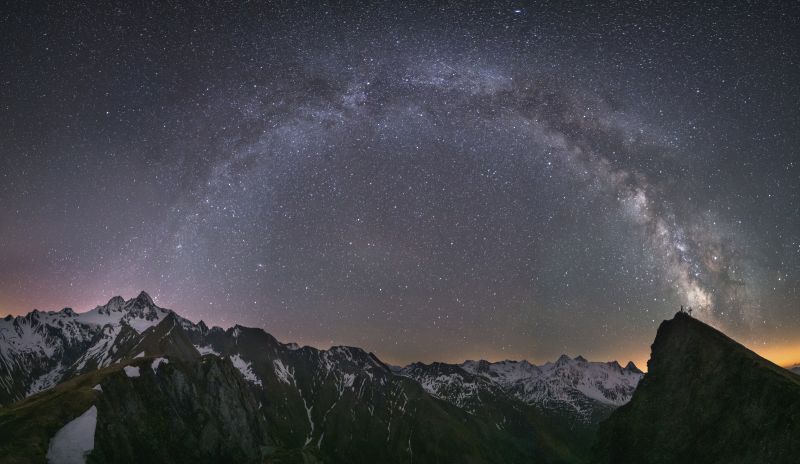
(441, 181)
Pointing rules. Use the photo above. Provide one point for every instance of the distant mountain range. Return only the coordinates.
(131, 382)
(585, 391)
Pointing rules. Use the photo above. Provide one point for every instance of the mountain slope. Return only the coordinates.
(705, 399)
(350, 407)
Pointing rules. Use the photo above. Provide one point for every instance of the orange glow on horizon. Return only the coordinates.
(786, 355)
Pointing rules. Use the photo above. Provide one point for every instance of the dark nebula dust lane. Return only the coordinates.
(429, 181)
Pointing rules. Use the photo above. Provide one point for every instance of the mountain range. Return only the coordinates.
(132, 382)
(203, 394)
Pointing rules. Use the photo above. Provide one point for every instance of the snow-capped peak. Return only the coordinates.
(34, 345)
(115, 304)
(67, 312)
(144, 299)
(140, 313)
(563, 360)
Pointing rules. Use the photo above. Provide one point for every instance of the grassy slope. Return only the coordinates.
(27, 426)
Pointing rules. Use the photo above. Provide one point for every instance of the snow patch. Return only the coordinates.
(73, 442)
(140, 325)
(98, 387)
(310, 420)
(132, 371)
(245, 368)
(284, 374)
(45, 381)
(101, 351)
(140, 355)
(157, 362)
(204, 350)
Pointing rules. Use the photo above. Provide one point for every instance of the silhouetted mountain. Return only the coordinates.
(705, 399)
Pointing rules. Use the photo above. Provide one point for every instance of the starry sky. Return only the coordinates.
(426, 180)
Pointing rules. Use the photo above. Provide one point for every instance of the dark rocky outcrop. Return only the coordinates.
(705, 399)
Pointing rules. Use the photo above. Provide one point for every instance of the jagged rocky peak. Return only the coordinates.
(142, 307)
(563, 360)
(351, 353)
(118, 304)
(632, 367)
(139, 313)
(478, 367)
(291, 345)
(67, 312)
(434, 367)
(115, 304)
(504, 371)
(615, 365)
(144, 298)
(235, 331)
(350, 356)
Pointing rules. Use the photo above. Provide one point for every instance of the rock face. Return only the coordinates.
(705, 399)
(213, 416)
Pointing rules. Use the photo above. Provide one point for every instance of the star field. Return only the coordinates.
(428, 181)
